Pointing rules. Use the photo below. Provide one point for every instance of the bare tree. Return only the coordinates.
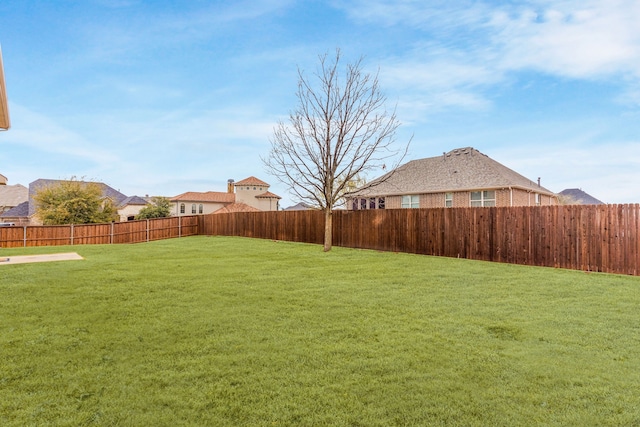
(339, 131)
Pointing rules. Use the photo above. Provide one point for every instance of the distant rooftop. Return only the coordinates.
(575, 196)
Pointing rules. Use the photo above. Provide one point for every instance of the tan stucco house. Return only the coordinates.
(250, 194)
(463, 177)
(130, 207)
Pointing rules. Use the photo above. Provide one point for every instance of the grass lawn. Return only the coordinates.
(230, 332)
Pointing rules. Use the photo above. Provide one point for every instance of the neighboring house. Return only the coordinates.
(18, 215)
(575, 196)
(463, 177)
(195, 203)
(11, 195)
(299, 207)
(255, 193)
(250, 192)
(130, 207)
(27, 215)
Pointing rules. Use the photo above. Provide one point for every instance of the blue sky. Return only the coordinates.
(162, 97)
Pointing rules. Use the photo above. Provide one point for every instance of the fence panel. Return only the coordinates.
(86, 234)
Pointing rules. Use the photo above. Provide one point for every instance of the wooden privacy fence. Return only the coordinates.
(117, 232)
(604, 238)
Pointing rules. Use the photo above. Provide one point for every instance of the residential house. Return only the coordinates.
(242, 196)
(575, 196)
(11, 195)
(131, 206)
(18, 215)
(197, 203)
(463, 177)
(300, 207)
(24, 214)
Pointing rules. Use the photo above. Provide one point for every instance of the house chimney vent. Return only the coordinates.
(230, 186)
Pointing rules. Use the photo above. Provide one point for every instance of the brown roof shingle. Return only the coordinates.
(462, 169)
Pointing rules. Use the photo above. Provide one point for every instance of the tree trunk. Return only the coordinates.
(328, 229)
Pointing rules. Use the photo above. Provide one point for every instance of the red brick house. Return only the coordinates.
(463, 177)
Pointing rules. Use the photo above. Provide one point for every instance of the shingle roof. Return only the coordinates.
(299, 207)
(579, 197)
(13, 195)
(208, 197)
(22, 210)
(462, 169)
(268, 195)
(36, 185)
(252, 180)
(237, 207)
(134, 200)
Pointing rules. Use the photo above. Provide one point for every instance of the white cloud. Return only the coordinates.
(580, 39)
(477, 45)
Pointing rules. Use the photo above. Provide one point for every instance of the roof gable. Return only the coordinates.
(134, 200)
(252, 180)
(237, 207)
(22, 210)
(462, 169)
(579, 197)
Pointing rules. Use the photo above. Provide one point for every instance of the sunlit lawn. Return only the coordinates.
(230, 332)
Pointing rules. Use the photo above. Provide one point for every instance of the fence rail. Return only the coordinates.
(117, 232)
(603, 238)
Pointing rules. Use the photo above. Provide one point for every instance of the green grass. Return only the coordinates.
(230, 332)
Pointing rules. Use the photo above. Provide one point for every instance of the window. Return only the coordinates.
(410, 202)
(448, 200)
(483, 198)
(537, 199)
(381, 203)
(363, 203)
(193, 208)
(372, 203)
(200, 208)
(182, 208)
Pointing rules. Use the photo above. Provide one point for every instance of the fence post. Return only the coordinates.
(71, 234)
(179, 226)
(147, 229)
(111, 235)
(24, 236)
